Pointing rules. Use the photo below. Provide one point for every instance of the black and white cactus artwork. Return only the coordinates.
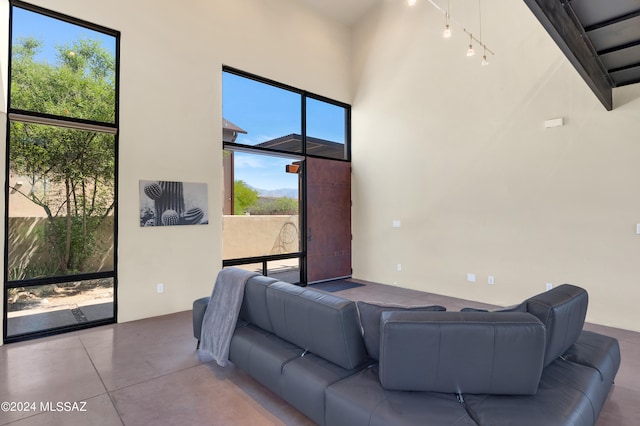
(166, 203)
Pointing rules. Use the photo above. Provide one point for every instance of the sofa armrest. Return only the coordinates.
(199, 308)
(461, 352)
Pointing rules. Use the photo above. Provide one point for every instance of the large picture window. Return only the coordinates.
(269, 130)
(61, 164)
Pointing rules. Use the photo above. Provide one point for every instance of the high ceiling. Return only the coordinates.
(344, 11)
(601, 38)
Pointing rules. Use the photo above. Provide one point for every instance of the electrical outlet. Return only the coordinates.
(471, 277)
(549, 286)
(160, 288)
(490, 280)
(399, 267)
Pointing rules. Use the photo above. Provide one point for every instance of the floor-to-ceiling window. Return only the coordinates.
(269, 130)
(60, 246)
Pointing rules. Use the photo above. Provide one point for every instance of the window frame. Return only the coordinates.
(303, 99)
(233, 146)
(33, 117)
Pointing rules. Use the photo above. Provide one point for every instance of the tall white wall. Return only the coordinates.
(171, 61)
(459, 154)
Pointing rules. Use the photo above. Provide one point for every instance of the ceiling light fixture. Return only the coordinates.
(470, 51)
(447, 28)
(447, 31)
(484, 62)
(450, 22)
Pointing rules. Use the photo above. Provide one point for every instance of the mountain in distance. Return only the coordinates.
(277, 193)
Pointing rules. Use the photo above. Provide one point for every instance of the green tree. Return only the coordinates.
(243, 197)
(275, 206)
(71, 172)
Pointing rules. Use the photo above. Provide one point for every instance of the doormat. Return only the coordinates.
(337, 285)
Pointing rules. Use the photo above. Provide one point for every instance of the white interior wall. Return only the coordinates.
(459, 154)
(172, 55)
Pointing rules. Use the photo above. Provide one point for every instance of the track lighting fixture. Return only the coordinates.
(484, 62)
(447, 28)
(447, 32)
(470, 51)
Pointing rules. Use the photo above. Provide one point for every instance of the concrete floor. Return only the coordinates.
(68, 316)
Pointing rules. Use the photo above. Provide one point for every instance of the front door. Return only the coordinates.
(328, 219)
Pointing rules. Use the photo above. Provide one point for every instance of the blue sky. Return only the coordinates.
(53, 32)
(266, 113)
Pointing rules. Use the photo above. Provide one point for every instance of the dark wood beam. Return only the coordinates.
(626, 67)
(613, 21)
(618, 48)
(556, 17)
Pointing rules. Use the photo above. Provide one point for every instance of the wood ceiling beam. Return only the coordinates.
(613, 21)
(619, 48)
(556, 18)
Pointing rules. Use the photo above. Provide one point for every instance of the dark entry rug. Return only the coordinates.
(336, 285)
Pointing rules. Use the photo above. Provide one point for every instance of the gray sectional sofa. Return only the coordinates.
(354, 363)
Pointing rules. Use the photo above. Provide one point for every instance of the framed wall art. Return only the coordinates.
(167, 203)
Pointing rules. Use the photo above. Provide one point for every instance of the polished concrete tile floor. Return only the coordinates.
(148, 372)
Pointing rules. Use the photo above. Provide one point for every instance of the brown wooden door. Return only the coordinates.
(328, 219)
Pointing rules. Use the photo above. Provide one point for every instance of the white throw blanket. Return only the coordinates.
(221, 316)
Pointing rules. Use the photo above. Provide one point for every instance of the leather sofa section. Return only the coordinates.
(562, 310)
(304, 381)
(323, 324)
(263, 355)
(254, 303)
(243, 339)
(360, 400)
(461, 352)
(306, 346)
(597, 351)
(569, 394)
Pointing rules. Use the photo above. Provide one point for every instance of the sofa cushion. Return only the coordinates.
(263, 355)
(321, 323)
(569, 395)
(359, 400)
(369, 314)
(304, 381)
(461, 352)
(562, 310)
(596, 351)
(254, 303)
